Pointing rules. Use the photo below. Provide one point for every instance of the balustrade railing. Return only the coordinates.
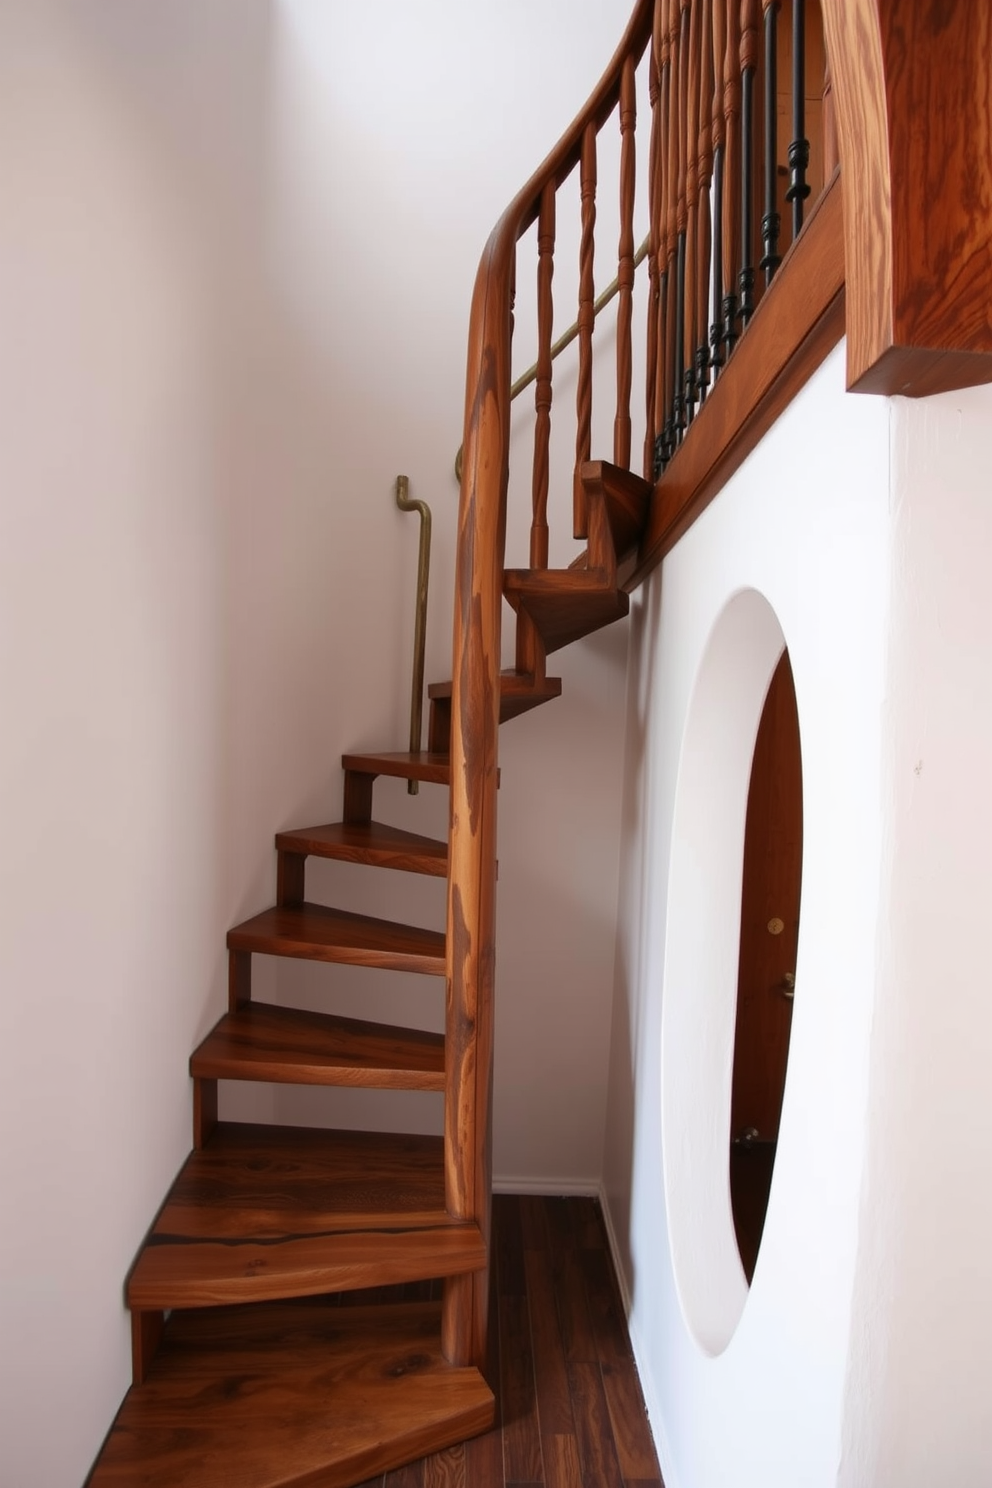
(720, 179)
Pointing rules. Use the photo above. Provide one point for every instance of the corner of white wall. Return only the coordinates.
(917, 1391)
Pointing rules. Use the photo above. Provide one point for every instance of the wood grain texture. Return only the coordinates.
(551, 1373)
(403, 764)
(240, 1396)
(371, 842)
(475, 702)
(732, 175)
(586, 322)
(543, 384)
(531, 1237)
(798, 322)
(631, 1433)
(654, 188)
(238, 979)
(625, 500)
(146, 1336)
(204, 1109)
(625, 264)
(314, 932)
(272, 1212)
(518, 693)
(291, 867)
(521, 1434)
(912, 92)
(286, 1045)
(565, 604)
(358, 788)
(593, 1428)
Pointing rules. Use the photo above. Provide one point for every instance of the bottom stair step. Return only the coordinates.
(262, 1213)
(291, 1393)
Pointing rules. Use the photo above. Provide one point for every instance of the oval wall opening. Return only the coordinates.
(766, 981)
(702, 961)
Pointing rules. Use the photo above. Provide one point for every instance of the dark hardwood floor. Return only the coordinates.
(570, 1413)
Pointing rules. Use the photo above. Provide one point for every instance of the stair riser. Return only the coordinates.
(328, 1076)
(343, 956)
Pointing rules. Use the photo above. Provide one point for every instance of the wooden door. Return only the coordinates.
(769, 938)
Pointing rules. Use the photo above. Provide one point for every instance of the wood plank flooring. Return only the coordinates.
(569, 1409)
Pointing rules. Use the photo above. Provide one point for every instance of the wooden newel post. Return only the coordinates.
(471, 938)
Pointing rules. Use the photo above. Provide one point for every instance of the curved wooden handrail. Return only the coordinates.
(475, 703)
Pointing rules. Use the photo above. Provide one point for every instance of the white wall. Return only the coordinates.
(917, 1390)
(860, 1356)
(766, 1410)
(237, 247)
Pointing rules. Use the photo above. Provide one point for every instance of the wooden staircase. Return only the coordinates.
(248, 1369)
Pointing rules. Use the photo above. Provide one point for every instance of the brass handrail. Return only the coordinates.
(600, 303)
(404, 503)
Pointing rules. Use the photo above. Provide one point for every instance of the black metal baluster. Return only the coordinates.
(716, 329)
(745, 280)
(665, 442)
(679, 410)
(799, 145)
(771, 222)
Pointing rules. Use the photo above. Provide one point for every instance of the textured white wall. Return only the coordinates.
(238, 243)
(766, 1411)
(918, 1386)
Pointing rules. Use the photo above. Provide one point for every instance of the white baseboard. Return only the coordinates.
(587, 1188)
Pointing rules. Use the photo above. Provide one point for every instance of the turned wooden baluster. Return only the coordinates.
(704, 238)
(771, 222)
(732, 176)
(625, 266)
(542, 391)
(719, 138)
(651, 370)
(749, 66)
(681, 216)
(691, 202)
(586, 318)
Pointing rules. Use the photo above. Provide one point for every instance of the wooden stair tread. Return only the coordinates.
(262, 1213)
(419, 764)
(564, 604)
(318, 933)
(369, 842)
(518, 692)
(627, 498)
(304, 1393)
(263, 1042)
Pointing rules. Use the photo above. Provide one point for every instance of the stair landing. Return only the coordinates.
(291, 1393)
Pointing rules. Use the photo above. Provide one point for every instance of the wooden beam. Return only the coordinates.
(912, 86)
